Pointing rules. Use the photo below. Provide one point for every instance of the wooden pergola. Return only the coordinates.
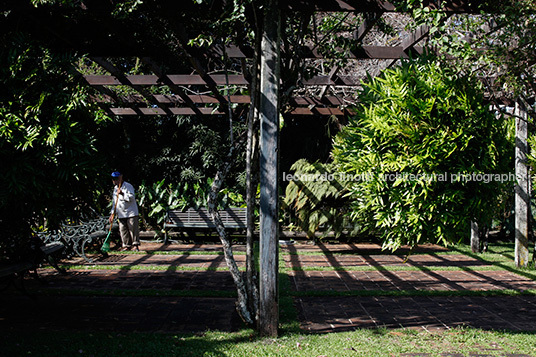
(195, 90)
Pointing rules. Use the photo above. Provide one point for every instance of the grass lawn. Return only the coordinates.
(292, 340)
(374, 342)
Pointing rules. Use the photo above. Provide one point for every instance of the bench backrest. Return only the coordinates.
(200, 218)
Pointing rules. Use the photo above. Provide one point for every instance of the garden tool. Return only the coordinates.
(106, 246)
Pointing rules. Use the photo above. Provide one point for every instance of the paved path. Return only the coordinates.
(186, 288)
(328, 314)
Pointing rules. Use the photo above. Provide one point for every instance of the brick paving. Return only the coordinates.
(339, 261)
(123, 313)
(408, 280)
(182, 260)
(328, 314)
(94, 298)
(355, 248)
(107, 280)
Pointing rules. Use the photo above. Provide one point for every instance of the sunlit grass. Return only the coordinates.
(369, 342)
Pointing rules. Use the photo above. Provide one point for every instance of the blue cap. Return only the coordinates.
(116, 174)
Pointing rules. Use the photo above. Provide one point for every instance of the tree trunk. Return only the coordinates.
(242, 303)
(251, 184)
(246, 304)
(522, 195)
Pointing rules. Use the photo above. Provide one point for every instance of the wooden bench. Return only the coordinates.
(234, 218)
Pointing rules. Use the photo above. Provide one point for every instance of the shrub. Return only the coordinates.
(316, 197)
(423, 119)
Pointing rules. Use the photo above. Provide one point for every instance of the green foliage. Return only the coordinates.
(316, 197)
(177, 149)
(155, 199)
(50, 166)
(423, 119)
(531, 157)
(500, 42)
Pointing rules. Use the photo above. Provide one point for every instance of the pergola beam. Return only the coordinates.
(415, 37)
(210, 83)
(160, 111)
(172, 99)
(327, 105)
(119, 74)
(170, 79)
(208, 99)
(371, 19)
(217, 79)
(163, 78)
(136, 111)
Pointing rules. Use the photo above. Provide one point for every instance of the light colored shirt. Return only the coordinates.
(126, 206)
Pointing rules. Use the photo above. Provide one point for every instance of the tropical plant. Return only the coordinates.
(154, 200)
(157, 198)
(430, 151)
(50, 168)
(316, 197)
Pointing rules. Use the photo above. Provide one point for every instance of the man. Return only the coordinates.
(126, 209)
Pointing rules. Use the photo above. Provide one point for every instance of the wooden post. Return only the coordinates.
(475, 237)
(522, 195)
(269, 175)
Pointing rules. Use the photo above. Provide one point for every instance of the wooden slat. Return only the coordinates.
(415, 37)
(336, 81)
(219, 80)
(160, 111)
(210, 111)
(308, 101)
(207, 99)
(150, 80)
(200, 218)
(170, 99)
(101, 80)
(369, 22)
(177, 90)
(317, 111)
(123, 111)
